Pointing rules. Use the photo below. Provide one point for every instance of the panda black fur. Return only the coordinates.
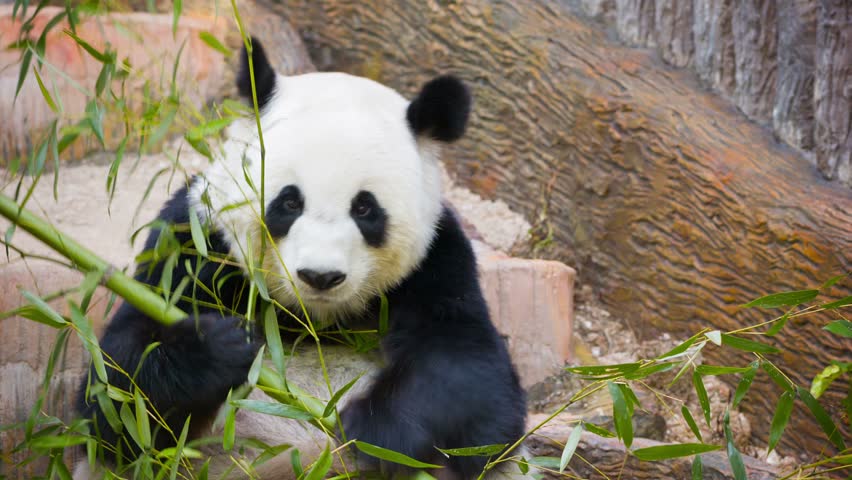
(354, 211)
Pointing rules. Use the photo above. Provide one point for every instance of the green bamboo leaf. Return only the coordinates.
(665, 452)
(597, 430)
(296, 462)
(177, 7)
(829, 374)
(273, 338)
(95, 53)
(229, 428)
(198, 237)
(747, 345)
(779, 420)
(200, 145)
(778, 325)
(840, 327)
(683, 347)
(777, 376)
(745, 383)
(391, 456)
(44, 93)
(482, 451)
(90, 341)
(40, 311)
(271, 408)
(621, 414)
(601, 370)
(719, 370)
(209, 128)
(129, 422)
(549, 463)
(784, 299)
(256, 365)
(329, 407)
(35, 412)
(822, 417)
(26, 58)
(649, 370)
(703, 399)
(48, 442)
(321, 466)
(570, 446)
(142, 424)
(214, 43)
(687, 415)
(832, 281)
(697, 468)
(734, 456)
(108, 408)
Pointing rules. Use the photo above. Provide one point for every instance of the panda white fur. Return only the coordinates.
(354, 210)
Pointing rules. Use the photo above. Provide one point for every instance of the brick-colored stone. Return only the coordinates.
(531, 302)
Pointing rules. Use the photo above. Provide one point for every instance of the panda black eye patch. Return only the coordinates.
(370, 218)
(283, 210)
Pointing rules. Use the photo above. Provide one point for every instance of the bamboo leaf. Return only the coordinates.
(778, 325)
(597, 430)
(142, 423)
(229, 428)
(482, 451)
(321, 466)
(703, 399)
(129, 422)
(391, 456)
(95, 53)
(296, 462)
(745, 383)
(275, 409)
(734, 456)
(209, 128)
(687, 415)
(822, 417)
(621, 414)
(256, 365)
(680, 349)
(747, 345)
(198, 237)
(779, 420)
(697, 468)
(570, 446)
(90, 341)
(718, 370)
(48, 442)
(214, 43)
(177, 7)
(330, 406)
(829, 374)
(784, 299)
(665, 452)
(840, 327)
(40, 311)
(26, 58)
(832, 281)
(605, 370)
(715, 336)
(273, 339)
(44, 93)
(777, 376)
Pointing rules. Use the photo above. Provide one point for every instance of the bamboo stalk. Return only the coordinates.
(135, 293)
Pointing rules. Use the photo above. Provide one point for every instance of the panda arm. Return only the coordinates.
(449, 382)
(197, 360)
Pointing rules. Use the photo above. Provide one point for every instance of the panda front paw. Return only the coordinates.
(372, 422)
(213, 353)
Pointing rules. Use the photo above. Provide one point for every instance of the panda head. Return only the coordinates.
(351, 183)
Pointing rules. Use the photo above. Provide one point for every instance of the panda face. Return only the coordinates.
(349, 185)
(351, 194)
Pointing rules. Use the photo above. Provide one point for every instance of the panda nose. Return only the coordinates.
(321, 280)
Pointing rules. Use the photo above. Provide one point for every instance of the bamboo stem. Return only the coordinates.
(135, 293)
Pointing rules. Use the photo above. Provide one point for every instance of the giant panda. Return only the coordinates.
(353, 210)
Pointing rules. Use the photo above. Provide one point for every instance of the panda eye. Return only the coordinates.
(293, 205)
(362, 210)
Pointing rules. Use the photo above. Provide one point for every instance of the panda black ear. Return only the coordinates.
(440, 110)
(264, 74)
